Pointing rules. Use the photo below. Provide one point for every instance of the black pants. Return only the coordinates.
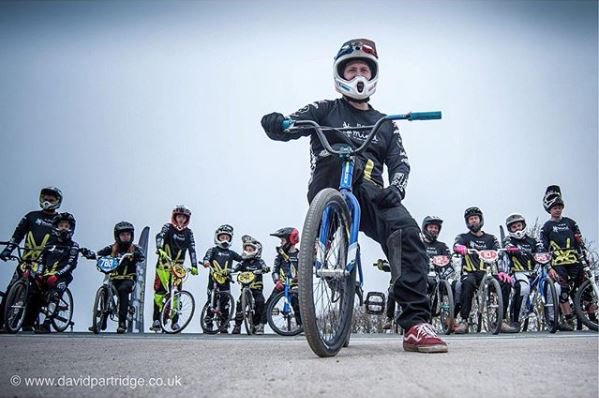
(410, 288)
(470, 282)
(390, 311)
(258, 307)
(571, 277)
(124, 287)
(223, 302)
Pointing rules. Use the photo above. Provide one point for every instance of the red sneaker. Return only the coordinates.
(422, 338)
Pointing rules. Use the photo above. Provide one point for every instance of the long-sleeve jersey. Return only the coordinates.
(223, 257)
(59, 257)
(386, 147)
(128, 268)
(176, 243)
(524, 260)
(286, 265)
(36, 228)
(438, 248)
(558, 237)
(255, 264)
(471, 262)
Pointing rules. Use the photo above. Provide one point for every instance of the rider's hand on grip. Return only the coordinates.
(460, 249)
(194, 270)
(279, 285)
(5, 255)
(273, 123)
(388, 197)
(512, 250)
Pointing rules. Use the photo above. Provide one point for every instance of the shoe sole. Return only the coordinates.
(430, 349)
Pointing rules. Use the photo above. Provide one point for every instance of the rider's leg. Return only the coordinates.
(521, 292)
(259, 305)
(470, 282)
(160, 283)
(272, 294)
(294, 298)
(124, 287)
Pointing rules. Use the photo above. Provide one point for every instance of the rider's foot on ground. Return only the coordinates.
(27, 329)
(565, 327)
(91, 329)
(175, 327)
(506, 328)
(236, 329)
(387, 324)
(259, 329)
(121, 329)
(460, 327)
(43, 328)
(422, 338)
(155, 326)
(516, 325)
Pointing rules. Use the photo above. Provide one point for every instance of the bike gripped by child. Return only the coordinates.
(172, 243)
(124, 277)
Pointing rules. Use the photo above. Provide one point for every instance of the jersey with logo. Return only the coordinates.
(36, 228)
(523, 261)
(438, 248)
(175, 243)
(471, 262)
(558, 237)
(59, 258)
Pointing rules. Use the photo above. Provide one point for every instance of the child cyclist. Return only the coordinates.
(252, 262)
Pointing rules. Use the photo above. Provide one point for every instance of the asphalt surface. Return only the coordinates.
(82, 365)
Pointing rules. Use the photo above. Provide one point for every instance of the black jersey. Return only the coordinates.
(558, 237)
(386, 147)
(438, 248)
(59, 258)
(471, 262)
(128, 268)
(36, 227)
(286, 265)
(176, 243)
(523, 261)
(254, 264)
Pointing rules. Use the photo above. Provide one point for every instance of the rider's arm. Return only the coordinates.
(397, 162)
(138, 256)
(236, 256)
(276, 269)
(208, 256)
(107, 251)
(71, 263)
(312, 111)
(495, 243)
(192, 250)
(544, 237)
(21, 230)
(161, 236)
(263, 265)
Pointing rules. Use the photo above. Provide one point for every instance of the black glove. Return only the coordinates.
(273, 123)
(5, 255)
(85, 252)
(388, 197)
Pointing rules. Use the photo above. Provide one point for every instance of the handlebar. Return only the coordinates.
(288, 125)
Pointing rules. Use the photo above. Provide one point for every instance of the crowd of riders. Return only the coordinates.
(560, 236)
(47, 237)
(50, 251)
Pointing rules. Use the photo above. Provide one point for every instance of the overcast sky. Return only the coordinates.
(133, 108)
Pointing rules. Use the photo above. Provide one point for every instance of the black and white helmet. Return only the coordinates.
(47, 205)
(428, 220)
(474, 211)
(224, 229)
(247, 240)
(514, 218)
(359, 88)
(65, 234)
(552, 197)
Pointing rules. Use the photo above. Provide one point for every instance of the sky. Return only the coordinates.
(132, 108)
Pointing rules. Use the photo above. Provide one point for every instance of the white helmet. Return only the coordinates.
(514, 218)
(359, 88)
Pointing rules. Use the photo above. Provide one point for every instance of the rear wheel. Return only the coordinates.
(586, 305)
(63, 314)
(326, 287)
(177, 312)
(281, 317)
(16, 305)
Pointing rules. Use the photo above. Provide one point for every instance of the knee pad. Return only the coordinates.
(524, 288)
(563, 296)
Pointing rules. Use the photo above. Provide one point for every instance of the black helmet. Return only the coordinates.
(68, 233)
(224, 229)
(247, 240)
(45, 205)
(514, 218)
(474, 211)
(431, 220)
(290, 234)
(553, 197)
(123, 226)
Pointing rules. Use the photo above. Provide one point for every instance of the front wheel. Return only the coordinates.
(177, 312)
(100, 312)
(493, 308)
(587, 305)
(446, 306)
(326, 287)
(63, 314)
(211, 317)
(281, 316)
(550, 306)
(247, 310)
(16, 306)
